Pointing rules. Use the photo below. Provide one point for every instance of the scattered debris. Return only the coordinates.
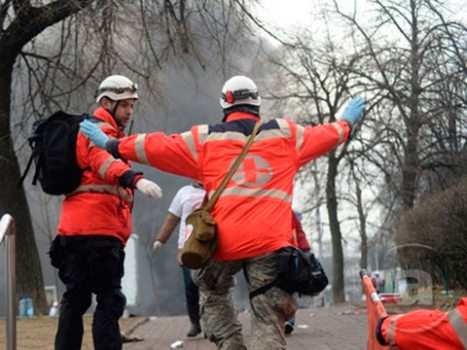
(350, 312)
(178, 344)
(303, 326)
(129, 338)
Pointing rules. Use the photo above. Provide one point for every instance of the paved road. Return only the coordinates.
(341, 327)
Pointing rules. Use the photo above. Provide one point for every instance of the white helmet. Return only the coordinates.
(239, 90)
(117, 87)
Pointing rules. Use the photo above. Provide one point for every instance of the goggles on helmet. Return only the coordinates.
(131, 89)
(231, 96)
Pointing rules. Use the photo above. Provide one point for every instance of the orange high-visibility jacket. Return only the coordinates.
(254, 211)
(426, 329)
(102, 203)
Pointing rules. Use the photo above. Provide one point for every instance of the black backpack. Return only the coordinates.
(53, 145)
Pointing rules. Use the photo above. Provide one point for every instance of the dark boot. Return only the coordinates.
(289, 327)
(195, 329)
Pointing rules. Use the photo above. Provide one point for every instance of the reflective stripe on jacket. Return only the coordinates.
(427, 329)
(100, 205)
(254, 211)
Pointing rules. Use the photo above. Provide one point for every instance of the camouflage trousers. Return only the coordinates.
(269, 311)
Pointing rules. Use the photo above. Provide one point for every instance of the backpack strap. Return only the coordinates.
(21, 180)
(36, 173)
(263, 289)
(93, 118)
(32, 141)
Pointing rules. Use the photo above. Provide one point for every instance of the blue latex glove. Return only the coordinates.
(94, 133)
(354, 111)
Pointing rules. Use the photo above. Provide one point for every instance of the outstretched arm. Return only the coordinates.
(319, 140)
(100, 139)
(177, 154)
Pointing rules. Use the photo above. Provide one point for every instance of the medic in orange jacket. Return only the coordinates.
(102, 203)
(254, 211)
(426, 329)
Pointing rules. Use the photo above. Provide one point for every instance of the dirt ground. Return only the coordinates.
(323, 328)
(38, 333)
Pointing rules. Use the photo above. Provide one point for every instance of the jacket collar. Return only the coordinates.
(241, 115)
(104, 115)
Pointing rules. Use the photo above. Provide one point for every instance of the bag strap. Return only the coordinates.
(263, 289)
(28, 166)
(266, 287)
(232, 170)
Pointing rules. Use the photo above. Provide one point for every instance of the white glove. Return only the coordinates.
(149, 188)
(157, 245)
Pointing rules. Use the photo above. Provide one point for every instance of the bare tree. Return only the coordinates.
(410, 68)
(420, 72)
(21, 22)
(416, 79)
(320, 79)
(84, 41)
(361, 179)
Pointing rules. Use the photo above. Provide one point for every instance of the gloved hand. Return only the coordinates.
(354, 111)
(94, 133)
(149, 188)
(157, 245)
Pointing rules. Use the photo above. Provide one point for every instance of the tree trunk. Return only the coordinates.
(13, 201)
(338, 291)
(410, 167)
(363, 235)
(317, 204)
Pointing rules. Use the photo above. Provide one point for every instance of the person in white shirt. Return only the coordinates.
(187, 199)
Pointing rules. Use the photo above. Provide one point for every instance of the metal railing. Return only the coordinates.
(7, 232)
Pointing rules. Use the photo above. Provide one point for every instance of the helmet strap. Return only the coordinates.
(113, 111)
(241, 108)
